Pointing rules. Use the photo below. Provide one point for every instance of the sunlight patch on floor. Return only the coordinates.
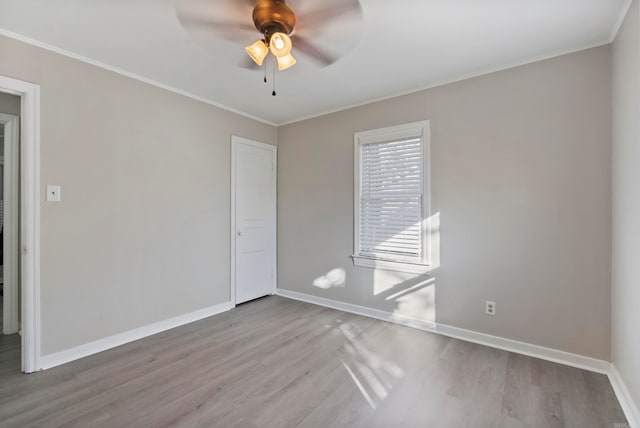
(373, 375)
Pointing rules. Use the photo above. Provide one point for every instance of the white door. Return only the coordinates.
(253, 223)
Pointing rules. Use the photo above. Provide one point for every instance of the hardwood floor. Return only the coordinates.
(280, 363)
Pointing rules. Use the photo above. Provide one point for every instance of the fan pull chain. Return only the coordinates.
(274, 79)
(265, 71)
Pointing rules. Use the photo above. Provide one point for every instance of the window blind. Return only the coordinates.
(391, 200)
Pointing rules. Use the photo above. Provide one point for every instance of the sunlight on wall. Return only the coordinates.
(333, 278)
(433, 236)
(410, 290)
(384, 280)
(419, 303)
(411, 297)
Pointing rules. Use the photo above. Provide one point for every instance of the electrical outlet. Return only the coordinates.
(490, 308)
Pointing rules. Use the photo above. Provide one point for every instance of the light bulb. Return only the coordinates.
(280, 44)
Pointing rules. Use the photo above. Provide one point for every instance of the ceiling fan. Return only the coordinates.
(281, 29)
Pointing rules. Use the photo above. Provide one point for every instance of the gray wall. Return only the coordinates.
(626, 201)
(521, 176)
(521, 182)
(142, 233)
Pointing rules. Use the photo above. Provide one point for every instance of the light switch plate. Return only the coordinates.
(53, 193)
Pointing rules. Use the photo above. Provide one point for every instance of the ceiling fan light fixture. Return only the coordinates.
(285, 62)
(257, 51)
(280, 45)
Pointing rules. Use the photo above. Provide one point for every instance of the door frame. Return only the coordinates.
(235, 142)
(10, 229)
(29, 217)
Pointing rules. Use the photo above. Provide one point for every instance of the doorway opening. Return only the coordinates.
(23, 166)
(9, 222)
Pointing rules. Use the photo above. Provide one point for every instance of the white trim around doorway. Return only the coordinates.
(29, 217)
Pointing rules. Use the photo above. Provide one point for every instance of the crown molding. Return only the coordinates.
(122, 72)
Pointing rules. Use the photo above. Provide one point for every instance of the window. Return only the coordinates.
(391, 197)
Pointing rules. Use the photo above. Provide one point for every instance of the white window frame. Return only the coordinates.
(409, 130)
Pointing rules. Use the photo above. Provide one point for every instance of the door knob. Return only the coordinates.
(239, 233)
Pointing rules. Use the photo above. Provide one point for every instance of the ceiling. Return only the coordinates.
(396, 47)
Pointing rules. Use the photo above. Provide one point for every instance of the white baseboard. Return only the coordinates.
(544, 353)
(562, 357)
(359, 310)
(624, 397)
(68, 355)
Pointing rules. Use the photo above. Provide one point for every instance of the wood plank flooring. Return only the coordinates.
(280, 363)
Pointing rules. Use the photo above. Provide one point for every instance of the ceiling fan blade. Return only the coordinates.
(215, 24)
(324, 15)
(308, 48)
(241, 7)
(230, 30)
(216, 7)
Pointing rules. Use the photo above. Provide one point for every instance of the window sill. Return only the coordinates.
(390, 265)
